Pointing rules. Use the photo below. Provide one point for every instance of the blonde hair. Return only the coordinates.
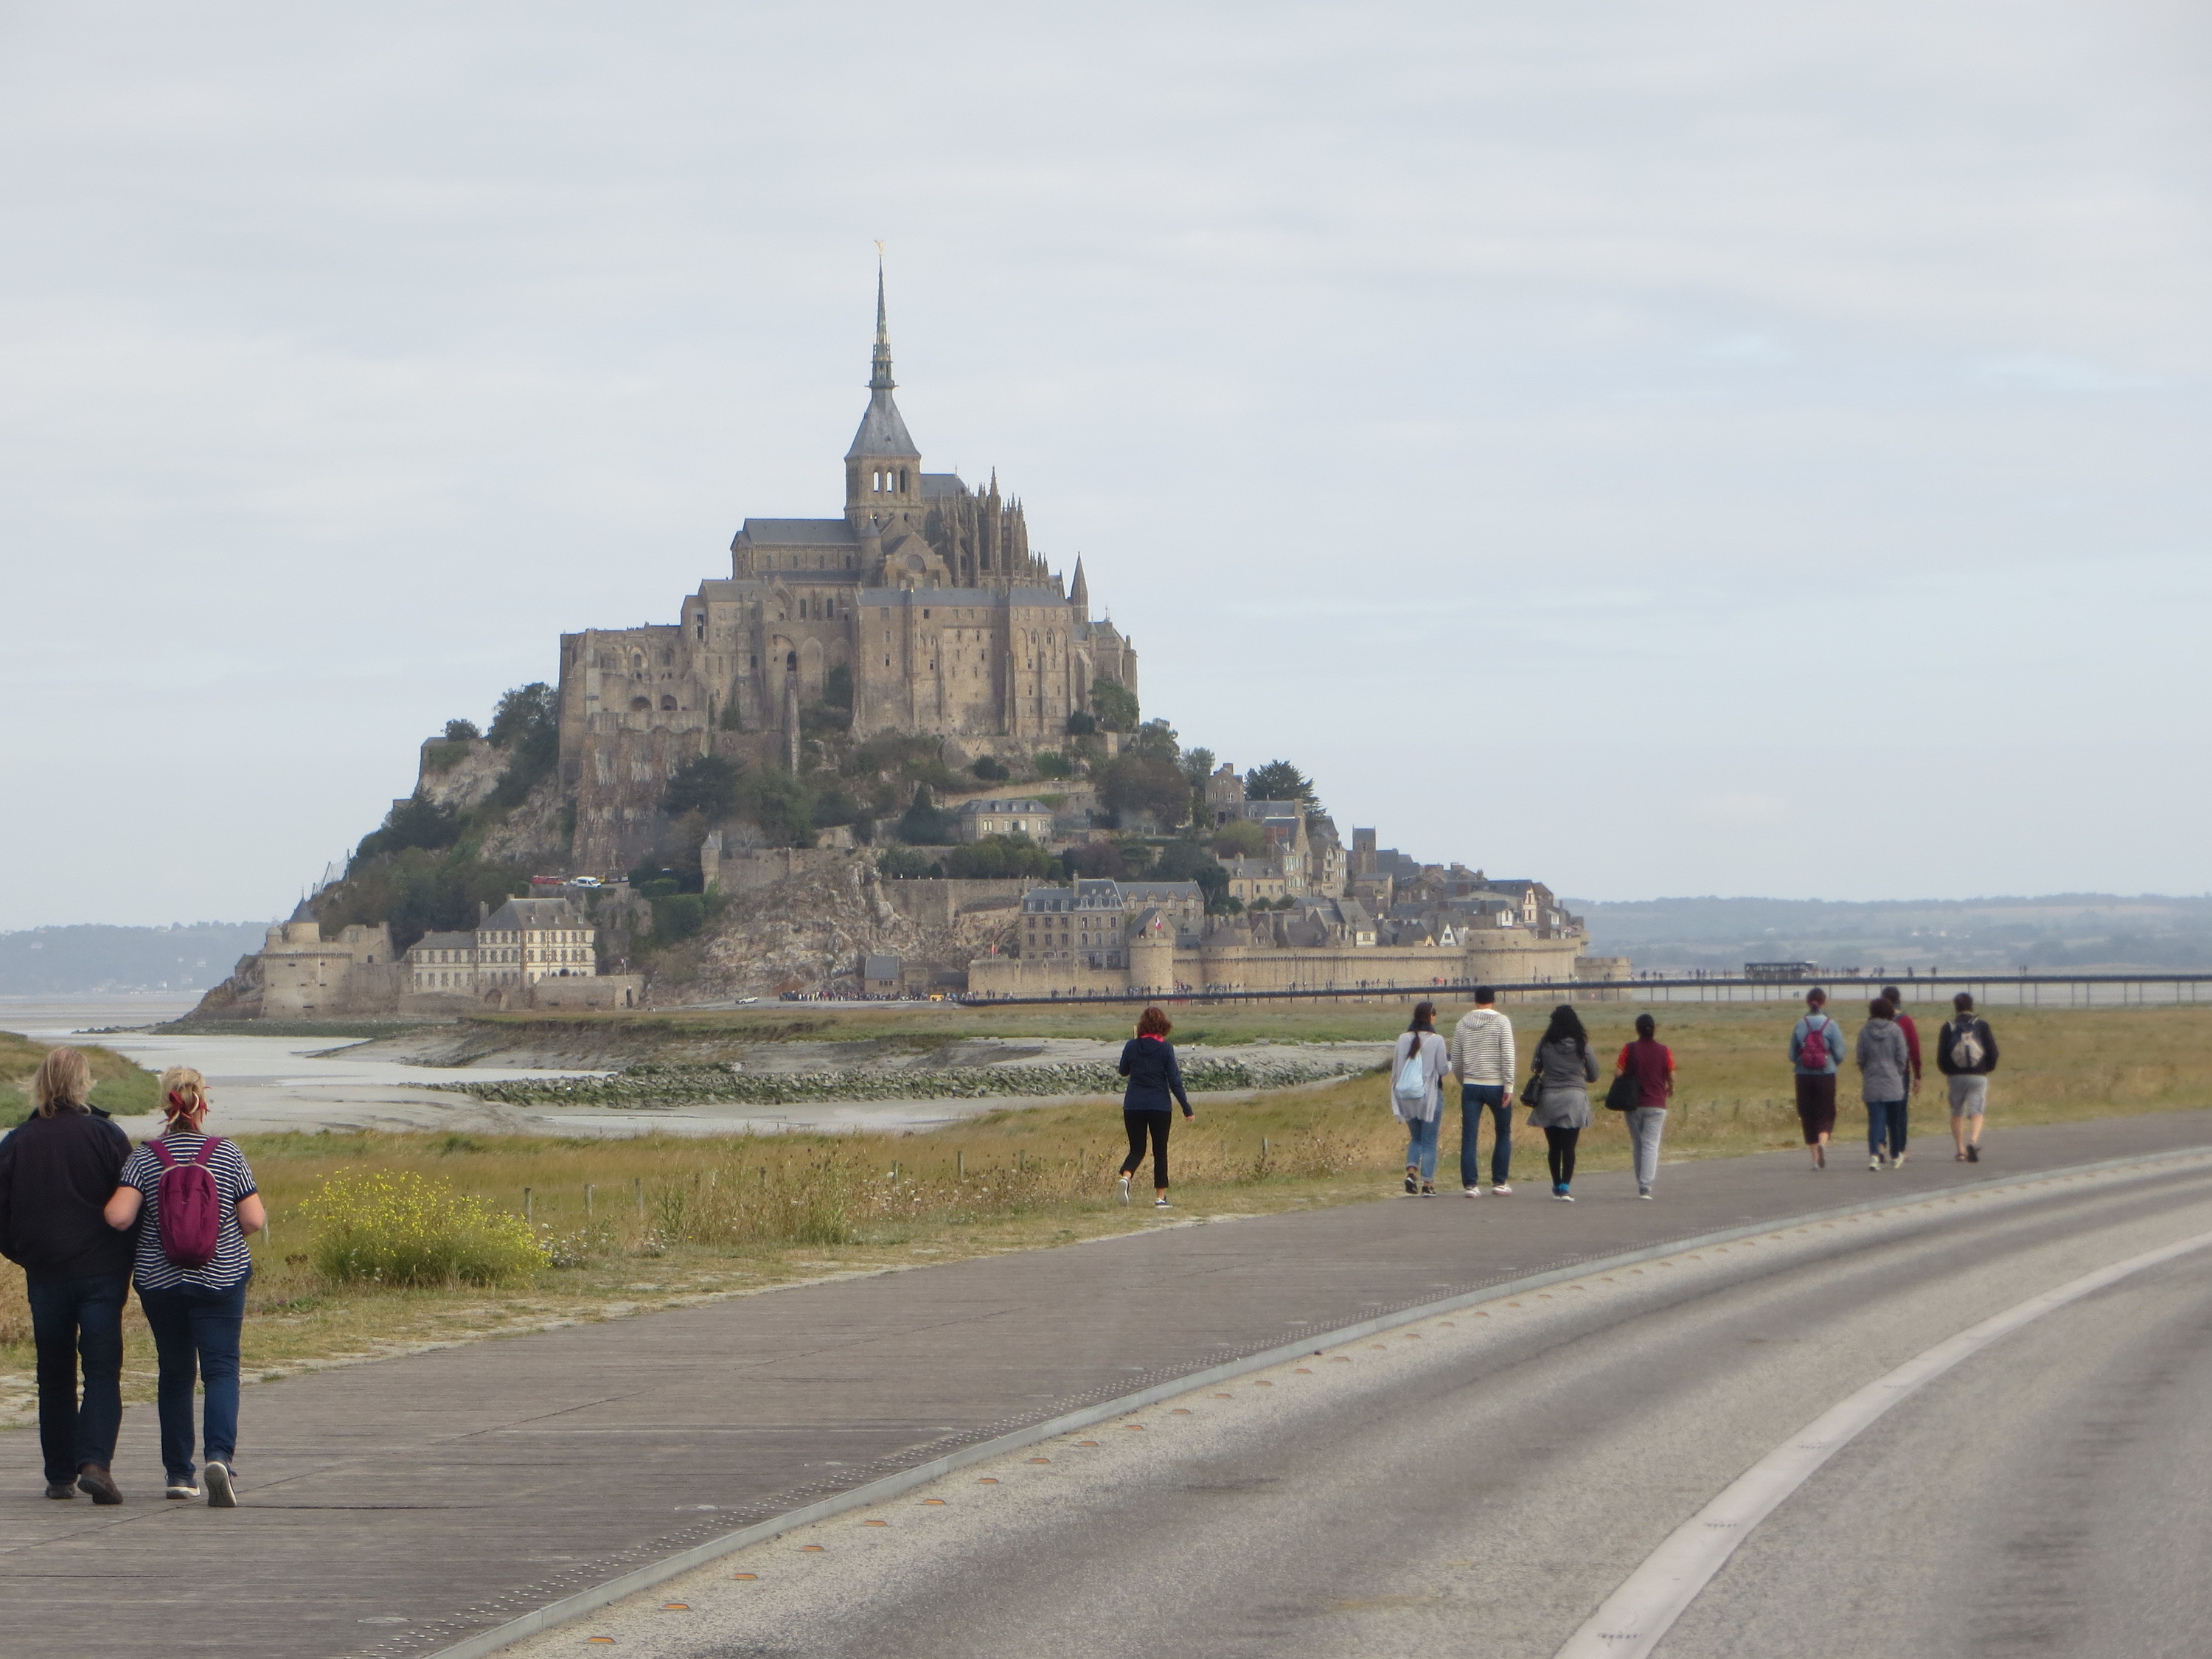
(183, 1098)
(63, 1083)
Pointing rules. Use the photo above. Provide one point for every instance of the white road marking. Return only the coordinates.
(1631, 1621)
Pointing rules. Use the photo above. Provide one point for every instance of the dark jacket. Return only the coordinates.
(1944, 1043)
(57, 1175)
(1149, 1063)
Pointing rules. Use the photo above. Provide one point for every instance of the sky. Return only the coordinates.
(1710, 447)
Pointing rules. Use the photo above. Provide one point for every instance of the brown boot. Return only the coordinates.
(94, 1481)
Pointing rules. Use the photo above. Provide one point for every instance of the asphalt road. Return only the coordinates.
(1479, 1484)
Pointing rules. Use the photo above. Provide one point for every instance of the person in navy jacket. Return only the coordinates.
(1148, 1060)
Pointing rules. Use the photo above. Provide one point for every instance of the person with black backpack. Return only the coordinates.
(1816, 1054)
(1966, 1052)
(196, 1201)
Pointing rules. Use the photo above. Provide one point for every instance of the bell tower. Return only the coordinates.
(883, 469)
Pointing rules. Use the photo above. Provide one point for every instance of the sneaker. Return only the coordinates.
(1162, 1204)
(220, 1492)
(1475, 1191)
(1427, 1191)
(186, 1488)
(1413, 1186)
(98, 1485)
(1122, 1189)
(1973, 1155)
(1562, 1195)
(1873, 1164)
(1896, 1163)
(61, 1488)
(1501, 1190)
(1643, 1192)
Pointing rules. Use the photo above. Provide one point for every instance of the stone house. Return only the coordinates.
(976, 819)
(1089, 925)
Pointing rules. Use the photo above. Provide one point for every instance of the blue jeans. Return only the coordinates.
(196, 1330)
(1472, 1098)
(73, 1318)
(1885, 1126)
(1421, 1149)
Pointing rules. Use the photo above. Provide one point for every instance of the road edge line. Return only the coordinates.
(614, 1589)
(1644, 1607)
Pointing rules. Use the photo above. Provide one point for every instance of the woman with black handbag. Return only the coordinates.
(1557, 1095)
(1643, 1084)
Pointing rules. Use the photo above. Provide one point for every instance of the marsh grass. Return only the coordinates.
(661, 1220)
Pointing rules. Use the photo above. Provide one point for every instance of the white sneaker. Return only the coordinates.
(183, 1489)
(1873, 1164)
(222, 1495)
(1502, 1190)
(1643, 1193)
(1475, 1191)
(1122, 1189)
(1162, 1204)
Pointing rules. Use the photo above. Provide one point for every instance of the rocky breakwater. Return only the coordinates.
(648, 1086)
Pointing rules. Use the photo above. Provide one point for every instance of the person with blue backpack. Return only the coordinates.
(193, 1200)
(1816, 1054)
(1419, 1061)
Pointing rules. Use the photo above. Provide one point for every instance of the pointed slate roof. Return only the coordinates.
(883, 429)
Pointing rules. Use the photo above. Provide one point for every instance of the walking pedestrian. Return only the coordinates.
(1483, 1060)
(1885, 1083)
(1418, 1060)
(1895, 998)
(1564, 1068)
(1966, 1052)
(1816, 1054)
(1652, 1063)
(193, 1200)
(1148, 1060)
(57, 1169)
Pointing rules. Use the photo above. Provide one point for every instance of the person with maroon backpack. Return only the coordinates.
(198, 1201)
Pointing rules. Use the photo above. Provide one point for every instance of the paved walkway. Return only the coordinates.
(393, 1508)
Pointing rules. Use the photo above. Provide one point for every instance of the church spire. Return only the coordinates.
(1078, 592)
(879, 377)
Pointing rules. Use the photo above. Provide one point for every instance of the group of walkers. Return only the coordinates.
(1888, 1054)
(1480, 1058)
(88, 1218)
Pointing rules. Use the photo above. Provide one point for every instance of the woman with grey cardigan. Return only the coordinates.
(1885, 1083)
(1564, 1069)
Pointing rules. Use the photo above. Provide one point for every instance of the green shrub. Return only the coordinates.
(443, 756)
(396, 1229)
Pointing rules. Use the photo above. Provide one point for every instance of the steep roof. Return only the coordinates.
(799, 532)
(883, 431)
(518, 916)
(443, 942)
(942, 484)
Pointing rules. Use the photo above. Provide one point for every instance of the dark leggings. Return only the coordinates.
(1559, 1150)
(1140, 1124)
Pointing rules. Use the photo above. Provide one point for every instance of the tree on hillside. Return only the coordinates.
(1096, 860)
(1280, 781)
(1240, 838)
(923, 824)
(526, 726)
(1186, 860)
(1115, 705)
(996, 858)
(1198, 766)
(461, 731)
(1157, 740)
(1143, 783)
(413, 823)
(706, 784)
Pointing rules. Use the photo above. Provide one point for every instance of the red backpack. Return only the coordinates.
(187, 1207)
(1812, 1054)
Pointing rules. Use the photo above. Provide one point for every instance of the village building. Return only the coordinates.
(976, 819)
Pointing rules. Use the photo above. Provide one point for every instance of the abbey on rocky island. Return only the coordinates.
(920, 609)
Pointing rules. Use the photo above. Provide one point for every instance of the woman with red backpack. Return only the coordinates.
(198, 1201)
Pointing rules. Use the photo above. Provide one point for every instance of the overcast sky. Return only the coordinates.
(1698, 448)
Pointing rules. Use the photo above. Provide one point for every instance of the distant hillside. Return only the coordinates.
(81, 960)
(2051, 934)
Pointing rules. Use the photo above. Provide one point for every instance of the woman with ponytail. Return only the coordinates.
(198, 1201)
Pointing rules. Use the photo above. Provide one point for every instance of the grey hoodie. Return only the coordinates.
(1482, 1047)
(1885, 1062)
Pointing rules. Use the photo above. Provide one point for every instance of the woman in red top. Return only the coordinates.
(1652, 1064)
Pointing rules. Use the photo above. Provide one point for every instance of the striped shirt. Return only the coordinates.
(152, 1271)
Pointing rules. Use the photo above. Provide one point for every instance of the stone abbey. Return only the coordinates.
(920, 609)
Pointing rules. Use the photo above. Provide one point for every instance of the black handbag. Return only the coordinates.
(1532, 1092)
(1626, 1093)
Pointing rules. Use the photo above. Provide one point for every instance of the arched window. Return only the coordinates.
(668, 704)
(791, 662)
(639, 705)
